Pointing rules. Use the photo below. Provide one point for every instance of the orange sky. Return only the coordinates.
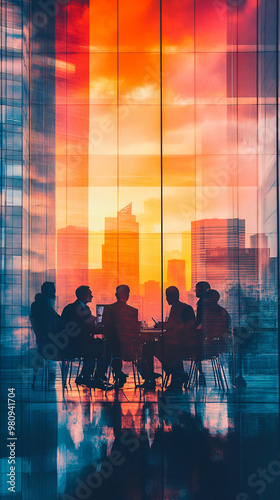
(203, 168)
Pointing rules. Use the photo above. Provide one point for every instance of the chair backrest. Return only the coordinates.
(215, 323)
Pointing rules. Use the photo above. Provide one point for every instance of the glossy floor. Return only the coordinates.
(196, 444)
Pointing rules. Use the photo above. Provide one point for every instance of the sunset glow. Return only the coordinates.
(110, 129)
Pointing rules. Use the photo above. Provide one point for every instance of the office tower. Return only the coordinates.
(259, 240)
(176, 274)
(211, 234)
(120, 252)
(226, 267)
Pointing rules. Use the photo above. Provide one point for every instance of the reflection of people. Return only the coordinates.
(179, 331)
(121, 328)
(43, 317)
(200, 290)
(84, 345)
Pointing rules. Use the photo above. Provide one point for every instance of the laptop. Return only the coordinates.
(99, 312)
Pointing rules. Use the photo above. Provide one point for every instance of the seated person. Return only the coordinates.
(84, 345)
(44, 319)
(201, 289)
(121, 328)
(178, 340)
(215, 325)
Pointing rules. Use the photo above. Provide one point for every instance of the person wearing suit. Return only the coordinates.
(216, 321)
(122, 331)
(178, 337)
(84, 344)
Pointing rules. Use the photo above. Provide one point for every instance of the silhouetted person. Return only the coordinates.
(200, 290)
(121, 328)
(179, 331)
(84, 345)
(43, 317)
(215, 325)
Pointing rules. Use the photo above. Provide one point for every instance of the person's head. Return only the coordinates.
(122, 293)
(172, 295)
(84, 294)
(39, 297)
(212, 297)
(48, 289)
(201, 288)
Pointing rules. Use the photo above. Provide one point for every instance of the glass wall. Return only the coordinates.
(182, 159)
(139, 145)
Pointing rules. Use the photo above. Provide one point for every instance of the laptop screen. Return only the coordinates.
(99, 312)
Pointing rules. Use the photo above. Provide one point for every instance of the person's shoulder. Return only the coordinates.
(70, 306)
(131, 308)
(222, 309)
(110, 306)
(187, 306)
(39, 302)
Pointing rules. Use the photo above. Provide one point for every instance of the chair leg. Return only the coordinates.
(217, 372)
(133, 369)
(95, 368)
(167, 378)
(64, 371)
(224, 375)
(70, 373)
(214, 373)
(191, 373)
(108, 376)
(220, 375)
(78, 369)
(196, 375)
(138, 377)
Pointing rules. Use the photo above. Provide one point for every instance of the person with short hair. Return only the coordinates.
(201, 289)
(84, 345)
(43, 317)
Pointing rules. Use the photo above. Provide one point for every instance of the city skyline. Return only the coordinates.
(223, 257)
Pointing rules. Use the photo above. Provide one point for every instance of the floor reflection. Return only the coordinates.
(162, 450)
(195, 445)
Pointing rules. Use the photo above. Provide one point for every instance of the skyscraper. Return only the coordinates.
(211, 234)
(120, 252)
(259, 240)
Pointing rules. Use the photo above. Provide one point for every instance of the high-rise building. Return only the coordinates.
(120, 252)
(230, 266)
(211, 234)
(259, 240)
